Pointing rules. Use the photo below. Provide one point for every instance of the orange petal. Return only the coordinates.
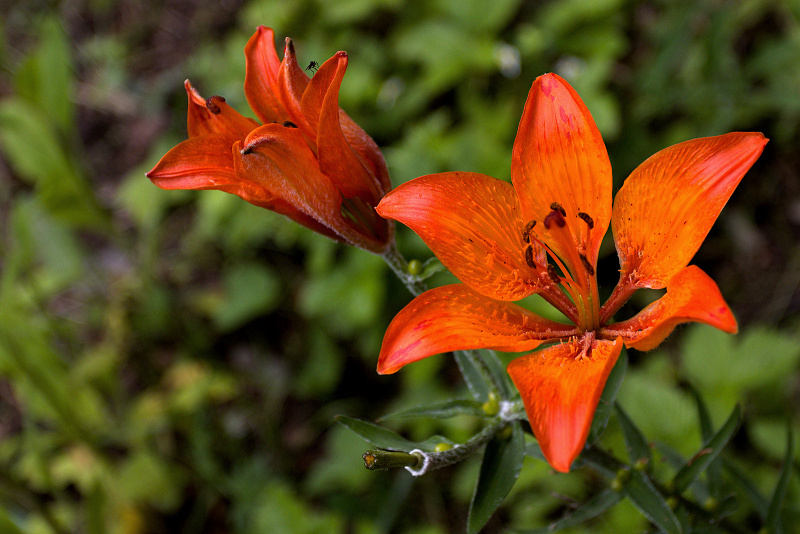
(666, 207)
(691, 296)
(214, 116)
(337, 160)
(292, 83)
(261, 77)
(472, 223)
(454, 317)
(559, 156)
(560, 387)
(278, 159)
(203, 162)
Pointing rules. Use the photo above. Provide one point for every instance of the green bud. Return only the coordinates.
(414, 267)
(505, 432)
(491, 407)
(441, 447)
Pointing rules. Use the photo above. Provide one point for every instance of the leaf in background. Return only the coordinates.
(608, 398)
(45, 79)
(383, 438)
(34, 152)
(251, 290)
(773, 522)
(748, 487)
(635, 442)
(651, 503)
(502, 462)
(714, 470)
(707, 453)
(441, 410)
(592, 508)
(472, 375)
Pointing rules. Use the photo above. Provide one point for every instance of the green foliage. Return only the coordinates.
(172, 361)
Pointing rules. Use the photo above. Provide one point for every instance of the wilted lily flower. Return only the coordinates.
(308, 161)
(542, 235)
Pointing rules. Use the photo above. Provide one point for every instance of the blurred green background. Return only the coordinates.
(171, 362)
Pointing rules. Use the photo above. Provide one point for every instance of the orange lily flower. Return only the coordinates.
(308, 161)
(542, 235)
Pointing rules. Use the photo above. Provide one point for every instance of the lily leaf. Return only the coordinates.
(748, 487)
(651, 503)
(608, 398)
(383, 438)
(441, 410)
(600, 503)
(707, 453)
(635, 442)
(470, 370)
(776, 503)
(714, 471)
(502, 462)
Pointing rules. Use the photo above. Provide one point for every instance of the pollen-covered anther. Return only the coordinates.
(555, 217)
(587, 265)
(526, 232)
(587, 219)
(559, 208)
(529, 257)
(212, 106)
(553, 274)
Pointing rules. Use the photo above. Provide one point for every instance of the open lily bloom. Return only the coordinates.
(542, 235)
(308, 161)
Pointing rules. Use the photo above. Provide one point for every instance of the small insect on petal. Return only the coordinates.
(212, 106)
(526, 232)
(587, 219)
(313, 66)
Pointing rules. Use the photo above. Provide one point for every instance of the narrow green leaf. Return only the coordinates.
(635, 442)
(773, 522)
(607, 399)
(441, 410)
(749, 488)
(651, 503)
(714, 471)
(533, 450)
(597, 505)
(502, 462)
(472, 374)
(380, 437)
(707, 453)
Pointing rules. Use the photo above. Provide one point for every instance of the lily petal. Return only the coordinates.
(261, 77)
(278, 159)
(472, 223)
(215, 116)
(691, 296)
(292, 82)
(560, 387)
(454, 317)
(667, 206)
(337, 160)
(203, 162)
(559, 156)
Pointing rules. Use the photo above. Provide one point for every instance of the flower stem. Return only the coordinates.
(398, 264)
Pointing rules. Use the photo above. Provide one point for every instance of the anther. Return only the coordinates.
(558, 207)
(289, 124)
(587, 219)
(529, 257)
(587, 265)
(556, 217)
(526, 232)
(551, 272)
(212, 106)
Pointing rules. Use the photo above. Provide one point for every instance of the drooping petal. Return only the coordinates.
(261, 77)
(215, 116)
(559, 156)
(692, 296)
(472, 223)
(337, 160)
(203, 162)
(560, 387)
(278, 159)
(454, 317)
(667, 206)
(292, 83)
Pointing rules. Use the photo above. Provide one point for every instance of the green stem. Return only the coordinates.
(398, 264)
